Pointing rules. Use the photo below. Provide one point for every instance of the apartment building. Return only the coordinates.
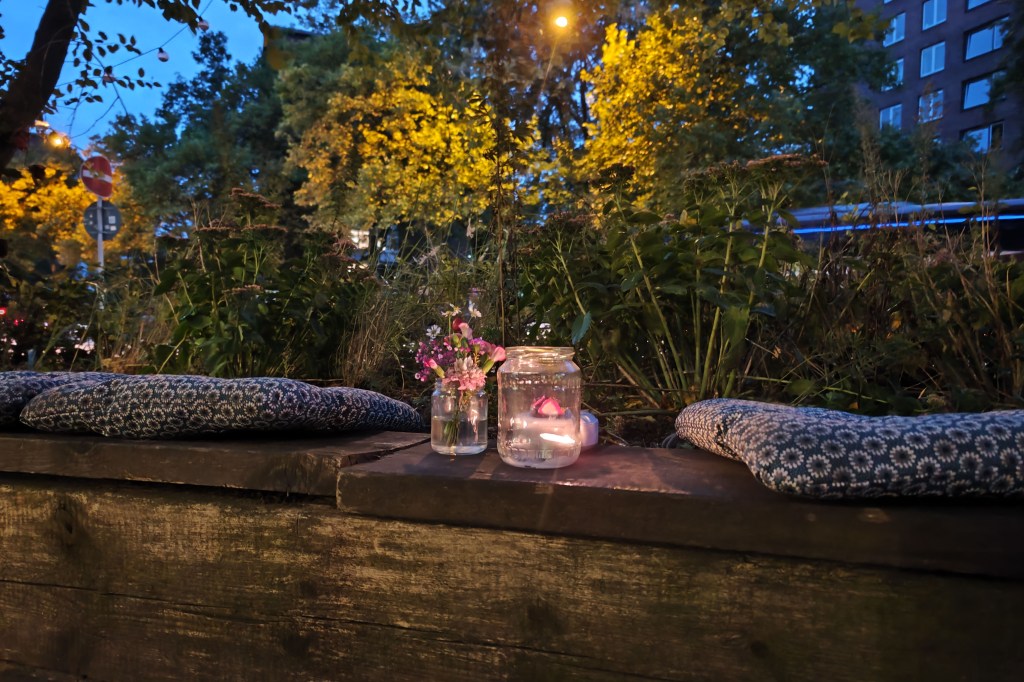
(944, 56)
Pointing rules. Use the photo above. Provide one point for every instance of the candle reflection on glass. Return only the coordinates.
(557, 437)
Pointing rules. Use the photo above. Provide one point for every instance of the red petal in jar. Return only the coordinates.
(547, 407)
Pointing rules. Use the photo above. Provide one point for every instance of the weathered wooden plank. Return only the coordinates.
(11, 672)
(132, 639)
(685, 498)
(143, 582)
(286, 464)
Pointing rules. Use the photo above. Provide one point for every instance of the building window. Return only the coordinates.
(890, 116)
(978, 92)
(894, 77)
(971, 4)
(897, 30)
(984, 40)
(929, 106)
(933, 13)
(933, 59)
(985, 138)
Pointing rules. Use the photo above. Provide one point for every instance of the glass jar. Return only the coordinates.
(539, 407)
(458, 420)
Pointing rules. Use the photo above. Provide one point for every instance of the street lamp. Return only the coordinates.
(560, 13)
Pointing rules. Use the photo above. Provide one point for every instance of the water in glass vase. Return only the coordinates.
(459, 436)
(458, 421)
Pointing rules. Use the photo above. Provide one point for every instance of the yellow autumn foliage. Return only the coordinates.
(46, 209)
(44, 217)
(662, 101)
(389, 149)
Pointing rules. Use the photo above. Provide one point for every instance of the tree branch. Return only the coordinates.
(35, 81)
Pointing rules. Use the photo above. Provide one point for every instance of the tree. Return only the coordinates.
(383, 142)
(212, 134)
(29, 83)
(674, 97)
(41, 213)
(706, 82)
(1013, 61)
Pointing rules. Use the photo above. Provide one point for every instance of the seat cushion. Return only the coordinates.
(168, 406)
(18, 388)
(829, 454)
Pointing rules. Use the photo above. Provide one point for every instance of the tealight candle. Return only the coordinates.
(556, 430)
(589, 428)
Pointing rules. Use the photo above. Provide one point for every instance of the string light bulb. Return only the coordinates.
(203, 24)
(162, 55)
(108, 74)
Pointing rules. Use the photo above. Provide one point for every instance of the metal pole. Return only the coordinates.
(99, 237)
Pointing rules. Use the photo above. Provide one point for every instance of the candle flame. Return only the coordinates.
(559, 438)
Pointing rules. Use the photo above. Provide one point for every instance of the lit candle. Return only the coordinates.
(551, 434)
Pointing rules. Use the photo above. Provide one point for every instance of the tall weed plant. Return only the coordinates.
(248, 298)
(671, 305)
(911, 320)
(724, 301)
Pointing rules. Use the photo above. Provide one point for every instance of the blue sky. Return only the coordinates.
(20, 18)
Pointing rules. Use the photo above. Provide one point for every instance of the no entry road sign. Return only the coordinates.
(98, 176)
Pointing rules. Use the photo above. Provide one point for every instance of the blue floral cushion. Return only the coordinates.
(18, 388)
(828, 454)
(182, 406)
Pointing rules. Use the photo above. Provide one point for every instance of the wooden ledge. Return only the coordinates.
(685, 498)
(676, 498)
(278, 464)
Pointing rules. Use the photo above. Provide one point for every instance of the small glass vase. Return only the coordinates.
(458, 420)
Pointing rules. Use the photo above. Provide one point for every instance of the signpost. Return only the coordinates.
(98, 177)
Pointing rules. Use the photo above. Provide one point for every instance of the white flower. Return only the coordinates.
(433, 331)
(472, 310)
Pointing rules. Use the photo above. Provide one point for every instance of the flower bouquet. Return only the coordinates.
(458, 362)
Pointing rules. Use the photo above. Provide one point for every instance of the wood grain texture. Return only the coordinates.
(285, 464)
(130, 582)
(686, 498)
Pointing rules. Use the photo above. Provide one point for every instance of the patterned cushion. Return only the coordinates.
(17, 388)
(182, 406)
(823, 453)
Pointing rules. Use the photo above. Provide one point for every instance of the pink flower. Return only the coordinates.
(495, 354)
(482, 347)
(431, 363)
(466, 330)
(466, 379)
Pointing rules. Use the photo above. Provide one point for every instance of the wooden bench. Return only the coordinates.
(313, 559)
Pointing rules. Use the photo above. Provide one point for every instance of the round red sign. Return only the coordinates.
(98, 176)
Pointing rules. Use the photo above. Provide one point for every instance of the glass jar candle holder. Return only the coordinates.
(539, 407)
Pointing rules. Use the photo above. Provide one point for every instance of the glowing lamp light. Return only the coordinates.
(56, 140)
(561, 21)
